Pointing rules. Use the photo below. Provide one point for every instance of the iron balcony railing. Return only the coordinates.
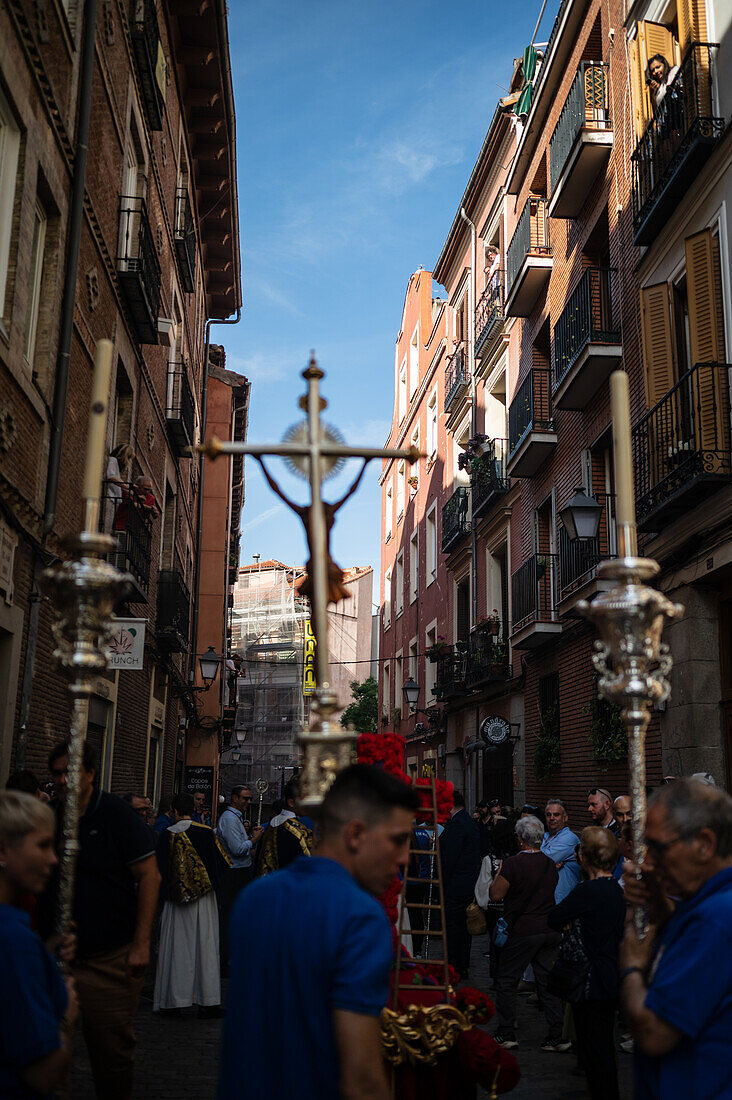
(129, 520)
(149, 59)
(180, 410)
(666, 158)
(457, 376)
(531, 408)
(587, 318)
(451, 673)
(684, 441)
(455, 518)
(487, 657)
(555, 29)
(138, 268)
(489, 314)
(579, 558)
(489, 478)
(174, 609)
(185, 239)
(531, 237)
(534, 591)
(586, 107)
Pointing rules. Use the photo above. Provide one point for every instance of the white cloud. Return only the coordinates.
(263, 517)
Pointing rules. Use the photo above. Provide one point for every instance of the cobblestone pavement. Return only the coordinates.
(179, 1057)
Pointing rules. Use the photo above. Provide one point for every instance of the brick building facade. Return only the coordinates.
(158, 257)
(580, 200)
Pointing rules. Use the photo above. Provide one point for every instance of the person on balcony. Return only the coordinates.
(118, 465)
(659, 75)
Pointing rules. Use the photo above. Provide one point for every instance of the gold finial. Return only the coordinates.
(313, 370)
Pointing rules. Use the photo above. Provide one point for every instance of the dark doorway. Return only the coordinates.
(498, 774)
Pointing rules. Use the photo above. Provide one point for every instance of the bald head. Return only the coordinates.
(622, 809)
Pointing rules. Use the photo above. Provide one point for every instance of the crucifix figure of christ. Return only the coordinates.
(317, 452)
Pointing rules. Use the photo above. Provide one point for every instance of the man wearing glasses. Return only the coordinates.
(238, 846)
(676, 983)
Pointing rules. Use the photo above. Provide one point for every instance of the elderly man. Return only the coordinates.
(600, 809)
(526, 883)
(622, 809)
(676, 983)
(559, 844)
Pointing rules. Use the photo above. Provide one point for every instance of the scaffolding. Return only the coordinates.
(268, 624)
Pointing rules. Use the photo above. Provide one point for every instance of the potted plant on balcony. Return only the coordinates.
(548, 753)
(491, 623)
(396, 716)
(541, 563)
(413, 481)
(438, 649)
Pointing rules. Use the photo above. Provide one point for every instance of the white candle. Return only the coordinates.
(97, 430)
(625, 498)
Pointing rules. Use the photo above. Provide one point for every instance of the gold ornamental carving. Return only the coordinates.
(421, 1033)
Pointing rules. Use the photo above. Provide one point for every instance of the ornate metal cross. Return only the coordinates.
(316, 451)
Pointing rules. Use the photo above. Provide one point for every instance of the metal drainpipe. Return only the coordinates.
(58, 413)
(201, 469)
(473, 408)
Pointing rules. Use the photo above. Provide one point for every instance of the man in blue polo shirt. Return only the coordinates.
(559, 844)
(311, 953)
(676, 987)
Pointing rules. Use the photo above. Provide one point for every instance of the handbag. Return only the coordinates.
(569, 977)
(475, 919)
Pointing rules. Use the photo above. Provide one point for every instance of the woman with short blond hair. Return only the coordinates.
(598, 906)
(37, 1006)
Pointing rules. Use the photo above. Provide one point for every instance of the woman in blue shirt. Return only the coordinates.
(37, 1007)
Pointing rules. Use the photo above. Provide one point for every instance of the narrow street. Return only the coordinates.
(180, 1057)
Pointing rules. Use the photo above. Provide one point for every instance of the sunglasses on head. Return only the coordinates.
(600, 790)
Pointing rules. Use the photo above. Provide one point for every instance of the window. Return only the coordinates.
(430, 669)
(497, 585)
(431, 547)
(398, 685)
(413, 650)
(389, 514)
(401, 473)
(399, 595)
(432, 424)
(9, 147)
(414, 566)
(402, 390)
(35, 276)
(387, 598)
(414, 363)
(386, 691)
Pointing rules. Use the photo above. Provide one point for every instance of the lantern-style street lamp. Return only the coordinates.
(581, 516)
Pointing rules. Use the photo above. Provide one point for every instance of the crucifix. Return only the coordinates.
(316, 451)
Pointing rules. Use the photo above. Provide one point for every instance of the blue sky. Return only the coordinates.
(357, 126)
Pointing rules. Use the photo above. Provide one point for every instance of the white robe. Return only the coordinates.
(188, 959)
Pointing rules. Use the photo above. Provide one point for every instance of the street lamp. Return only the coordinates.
(209, 665)
(411, 691)
(581, 516)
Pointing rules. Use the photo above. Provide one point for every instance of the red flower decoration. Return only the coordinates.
(385, 750)
(443, 793)
(468, 998)
(487, 1062)
(437, 972)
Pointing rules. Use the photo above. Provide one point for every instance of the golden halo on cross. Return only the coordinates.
(330, 465)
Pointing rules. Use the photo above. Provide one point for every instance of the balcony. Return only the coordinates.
(185, 240)
(682, 449)
(487, 658)
(677, 142)
(180, 413)
(130, 521)
(579, 559)
(138, 269)
(455, 519)
(149, 59)
(451, 674)
(457, 379)
(489, 317)
(580, 145)
(528, 260)
(174, 611)
(531, 433)
(587, 344)
(534, 602)
(489, 480)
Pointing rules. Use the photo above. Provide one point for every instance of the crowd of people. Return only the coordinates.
(164, 888)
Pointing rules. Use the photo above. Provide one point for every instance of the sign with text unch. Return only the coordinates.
(127, 645)
(308, 672)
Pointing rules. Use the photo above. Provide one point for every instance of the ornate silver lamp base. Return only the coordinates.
(84, 591)
(327, 749)
(633, 663)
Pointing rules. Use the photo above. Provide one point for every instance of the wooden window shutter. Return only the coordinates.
(692, 17)
(637, 78)
(700, 285)
(710, 394)
(653, 38)
(658, 342)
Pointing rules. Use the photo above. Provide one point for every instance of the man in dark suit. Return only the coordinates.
(460, 857)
